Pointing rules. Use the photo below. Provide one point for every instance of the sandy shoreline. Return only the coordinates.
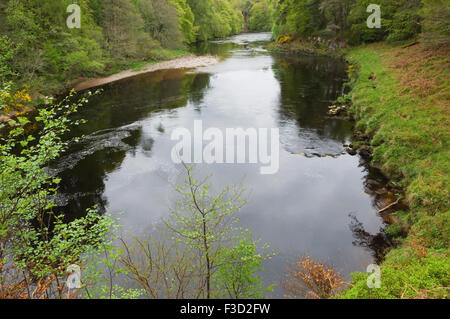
(184, 62)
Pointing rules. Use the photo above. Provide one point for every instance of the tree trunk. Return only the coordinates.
(208, 263)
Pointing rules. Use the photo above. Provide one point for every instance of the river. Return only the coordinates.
(317, 203)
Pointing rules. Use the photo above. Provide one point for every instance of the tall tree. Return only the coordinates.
(161, 22)
(436, 24)
(123, 28)
(337, 11)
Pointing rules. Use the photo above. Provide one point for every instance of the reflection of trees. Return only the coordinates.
(212, 48)
(132, 99)
(196, 87)
(83, 185)
(382, 194)
(109, 137)
(378, 244)
(308, 84)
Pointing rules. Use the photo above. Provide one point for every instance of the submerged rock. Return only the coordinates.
(336, 110)
(365, 151)
(351, 151)
(373, 182)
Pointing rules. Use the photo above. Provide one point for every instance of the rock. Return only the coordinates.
(381, 191)
(360, 135)
(336, 110)
(351, 151)
(373, 182)
(365, 151)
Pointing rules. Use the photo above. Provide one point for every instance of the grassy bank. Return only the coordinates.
(401, 102)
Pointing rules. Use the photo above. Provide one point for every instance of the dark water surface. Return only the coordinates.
(310, 206)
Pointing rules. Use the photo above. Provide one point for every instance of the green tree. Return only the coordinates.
(436, 17)
(244, 6)
(237, 276)
(7, 50)
(161, 22)
(298, 18)
(114, 34)
(123, 29)
(215, 18)
(400, 21)
(36, 245)
(205, 222)
(197, 252)
(261, 16)
(186, 20)
(337, 12)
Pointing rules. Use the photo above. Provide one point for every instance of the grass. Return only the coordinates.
(401, 101)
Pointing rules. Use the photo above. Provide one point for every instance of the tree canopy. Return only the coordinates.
(44, 52)
(346, 20)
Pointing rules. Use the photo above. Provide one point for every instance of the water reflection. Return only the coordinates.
(377, 243)
(308, 87)
(125, 166)
(113, 131)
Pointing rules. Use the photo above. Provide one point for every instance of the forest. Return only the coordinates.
(43, 53)
(38, 50)
(397, 101)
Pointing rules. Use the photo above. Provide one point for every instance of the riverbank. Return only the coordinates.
(187, 61)
(401, 105)
(184, 62)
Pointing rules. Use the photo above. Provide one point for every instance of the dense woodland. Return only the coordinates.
(38, 49)
(346, 20)
(112, 34)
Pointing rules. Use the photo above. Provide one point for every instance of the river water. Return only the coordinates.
(316, 204)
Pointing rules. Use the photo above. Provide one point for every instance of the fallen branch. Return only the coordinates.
(389, 206)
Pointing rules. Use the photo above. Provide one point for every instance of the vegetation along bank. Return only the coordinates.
(401, 104)
(400, 100)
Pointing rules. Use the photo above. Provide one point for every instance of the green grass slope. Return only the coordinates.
(401, 100)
